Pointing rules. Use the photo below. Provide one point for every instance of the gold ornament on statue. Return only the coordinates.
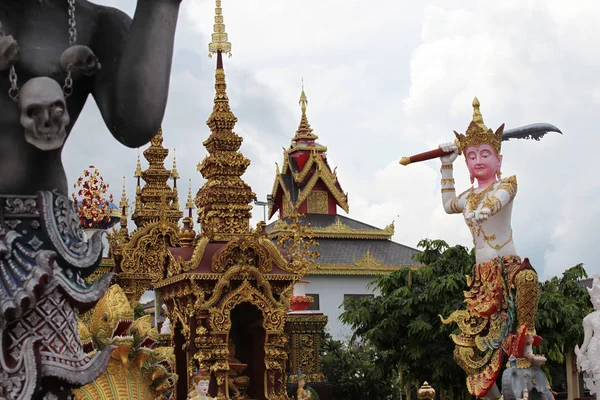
(477, 133)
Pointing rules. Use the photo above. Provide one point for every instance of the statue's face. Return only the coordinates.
(596, 301)
(202, 387)
(482, 161)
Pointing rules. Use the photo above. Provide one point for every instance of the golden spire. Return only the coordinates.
(304, 130)
(138, 169)
(187, 234)
(303, 100)
(123, 204)
(219, 41)
(148, 202)
(477, 117)
(123, 220)
(190, 202)
(174, 173)
(223, 202)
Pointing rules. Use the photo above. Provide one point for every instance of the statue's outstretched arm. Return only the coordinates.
(505, 193)
(132, 86)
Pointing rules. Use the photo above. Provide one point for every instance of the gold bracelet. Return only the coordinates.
(448, 180)
(447, 166)
(445, 190)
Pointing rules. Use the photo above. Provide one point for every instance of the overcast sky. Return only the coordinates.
(388, 79)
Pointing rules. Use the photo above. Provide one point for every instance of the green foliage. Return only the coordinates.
(563, 304)
(356, 372)
(403, 321)
(138, 311)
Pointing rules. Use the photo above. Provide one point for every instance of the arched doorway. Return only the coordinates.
(248, 336)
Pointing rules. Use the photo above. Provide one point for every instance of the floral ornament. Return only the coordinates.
(92, 205)
(300, 244)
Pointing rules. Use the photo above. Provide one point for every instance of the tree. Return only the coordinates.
(138, 311)
(403, 321)
(563, 304)
(355, 372)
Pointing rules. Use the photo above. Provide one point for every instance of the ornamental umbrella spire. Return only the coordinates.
(223, 202)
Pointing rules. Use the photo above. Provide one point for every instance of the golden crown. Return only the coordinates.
(477, 133)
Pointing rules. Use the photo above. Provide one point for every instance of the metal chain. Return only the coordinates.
(13, 92)
(72, 29)
(68, 86)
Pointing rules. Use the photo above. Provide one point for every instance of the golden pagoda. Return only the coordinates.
(139, 257)
(149, 197)
(227, 288)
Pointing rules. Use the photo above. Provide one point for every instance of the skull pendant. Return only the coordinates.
(9, 52)
(44, 113)
(79, 60)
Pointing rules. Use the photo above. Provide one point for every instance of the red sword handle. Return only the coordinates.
(428, 155)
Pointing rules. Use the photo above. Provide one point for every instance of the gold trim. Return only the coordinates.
(336, 230)
(317, 202)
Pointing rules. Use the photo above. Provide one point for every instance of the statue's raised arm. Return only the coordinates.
(132, 86)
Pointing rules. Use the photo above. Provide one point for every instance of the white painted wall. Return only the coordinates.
(331, 290)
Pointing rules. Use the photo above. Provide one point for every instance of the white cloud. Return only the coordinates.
(390, 79)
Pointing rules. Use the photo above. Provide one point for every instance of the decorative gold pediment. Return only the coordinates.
(220, 316)
(246, 251)
(368, 261)
(145, 253)
(337, 230)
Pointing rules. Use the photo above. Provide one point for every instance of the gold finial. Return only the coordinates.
(304, 130)
(138, 169)
(477, 117)
(190, 201)
(123, 204)
(174, 173)
(219, 37)
(303, 100)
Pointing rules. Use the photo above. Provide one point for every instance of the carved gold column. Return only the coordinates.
(305, 333)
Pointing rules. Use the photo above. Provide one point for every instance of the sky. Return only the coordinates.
(388, 79)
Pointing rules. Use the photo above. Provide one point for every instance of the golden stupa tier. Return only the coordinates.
(221, 119)
(223, 201)
(223, 163)
(149, 198)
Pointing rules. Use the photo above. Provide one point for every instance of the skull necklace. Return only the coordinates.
(41, 100)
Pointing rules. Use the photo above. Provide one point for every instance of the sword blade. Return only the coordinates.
(533, 131)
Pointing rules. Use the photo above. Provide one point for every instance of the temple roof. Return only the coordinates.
(351, 247)
(306, 182)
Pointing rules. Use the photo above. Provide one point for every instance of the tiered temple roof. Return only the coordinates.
(149, 197)
(307, 185)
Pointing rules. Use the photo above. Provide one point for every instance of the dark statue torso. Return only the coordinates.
(24, 169)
